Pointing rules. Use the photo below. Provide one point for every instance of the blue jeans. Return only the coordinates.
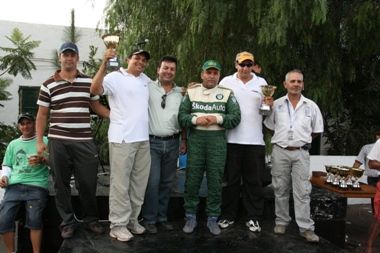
(164, 155)
(32, 197)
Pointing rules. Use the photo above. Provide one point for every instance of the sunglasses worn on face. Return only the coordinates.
(163, 101)
(245, 65)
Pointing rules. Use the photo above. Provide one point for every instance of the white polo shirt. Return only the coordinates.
(128, 97)
(375, 152)
(249, 97)
(302, 121)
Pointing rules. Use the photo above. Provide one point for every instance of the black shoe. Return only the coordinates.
(166, 226)
(95, 227)
(68, 231)
(151, 228)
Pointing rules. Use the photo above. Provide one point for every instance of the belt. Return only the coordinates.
(164, 138)
(289, 148)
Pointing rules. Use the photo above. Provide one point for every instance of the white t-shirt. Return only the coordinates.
(128, 97)
(375, 152)
(362, 158)
(249, 97)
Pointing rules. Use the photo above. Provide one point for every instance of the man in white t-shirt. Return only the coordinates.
(245, 147)
(128, 135)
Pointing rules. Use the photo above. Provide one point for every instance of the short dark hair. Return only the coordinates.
(168, 58)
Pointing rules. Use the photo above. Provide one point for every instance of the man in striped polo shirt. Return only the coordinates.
(66, 100)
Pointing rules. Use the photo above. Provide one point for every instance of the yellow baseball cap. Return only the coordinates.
(244, 56)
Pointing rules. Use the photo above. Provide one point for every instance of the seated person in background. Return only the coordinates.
(361, 159)
(25, 179)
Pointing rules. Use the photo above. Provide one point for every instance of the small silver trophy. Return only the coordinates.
(268, 91)
(356, 174)
(112, 41)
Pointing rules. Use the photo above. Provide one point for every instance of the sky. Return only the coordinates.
(53, 12)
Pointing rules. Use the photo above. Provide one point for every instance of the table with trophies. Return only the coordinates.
(343, 180)
(329, 200)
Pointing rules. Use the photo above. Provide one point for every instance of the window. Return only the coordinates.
(28, 96)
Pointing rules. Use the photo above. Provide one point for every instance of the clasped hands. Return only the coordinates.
(206, 121)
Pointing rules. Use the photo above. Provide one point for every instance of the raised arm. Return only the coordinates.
(97, 80)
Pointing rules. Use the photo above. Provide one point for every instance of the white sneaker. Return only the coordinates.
(121, 233)
(254, 226)
(136, 228)
(225, 223)
(310, 236)
(279, 229)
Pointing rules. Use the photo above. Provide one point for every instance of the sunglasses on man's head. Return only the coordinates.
(246, 65)
(163, 101)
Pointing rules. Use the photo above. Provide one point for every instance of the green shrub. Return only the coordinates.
(7, 134)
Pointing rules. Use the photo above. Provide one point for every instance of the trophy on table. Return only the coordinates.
(111, 41)
(356, 174)
(268, 91)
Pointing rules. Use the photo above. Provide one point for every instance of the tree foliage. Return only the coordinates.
(4, 95)
(335, 43)
(18, 59)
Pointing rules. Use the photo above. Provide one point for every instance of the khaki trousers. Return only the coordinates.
(130, 166)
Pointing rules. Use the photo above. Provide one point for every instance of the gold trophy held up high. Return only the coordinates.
(112, 41)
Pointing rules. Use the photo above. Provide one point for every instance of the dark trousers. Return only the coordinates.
(372, 181)
(242, 178)
(80, 159)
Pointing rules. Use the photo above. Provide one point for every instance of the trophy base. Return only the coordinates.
(265, 111)
(113, 63)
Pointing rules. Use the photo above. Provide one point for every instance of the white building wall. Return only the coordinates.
(51, 38)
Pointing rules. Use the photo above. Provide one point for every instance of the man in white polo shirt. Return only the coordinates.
(128, 136)
(294, 121)
(245, 147)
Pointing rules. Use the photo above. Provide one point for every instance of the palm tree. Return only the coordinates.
(18, 59)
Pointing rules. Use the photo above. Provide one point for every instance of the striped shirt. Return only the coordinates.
(69, 105)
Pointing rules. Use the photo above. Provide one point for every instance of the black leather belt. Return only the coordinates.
(305, 147)
(164, 138)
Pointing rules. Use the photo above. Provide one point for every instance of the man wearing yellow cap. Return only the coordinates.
(206, 110)
(246, 147)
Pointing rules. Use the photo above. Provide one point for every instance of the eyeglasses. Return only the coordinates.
(163, 101)
(295, 81)
(245, 65)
